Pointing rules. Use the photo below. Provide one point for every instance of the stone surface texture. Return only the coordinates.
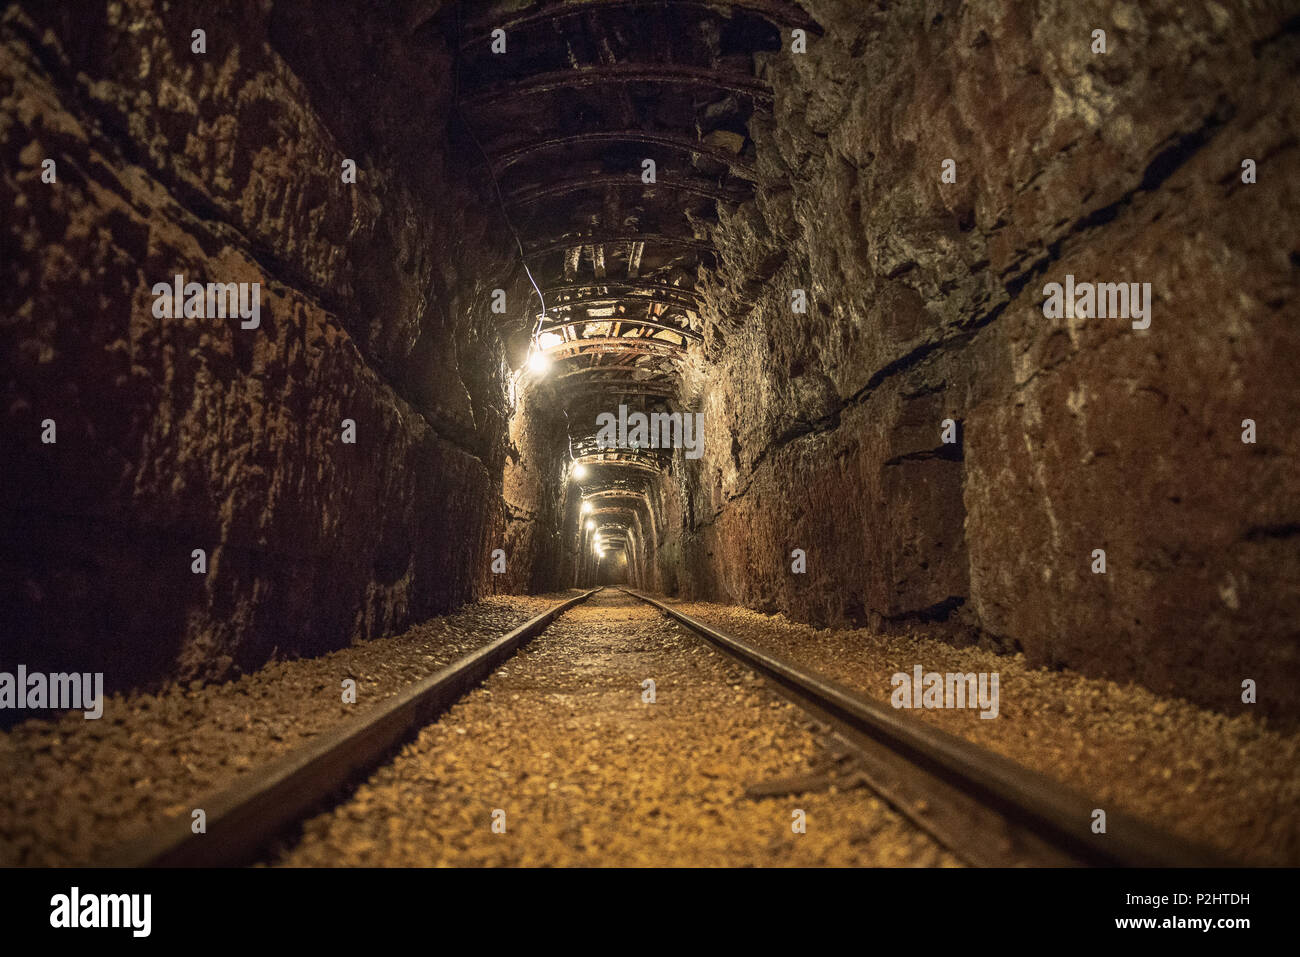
(177, 434)
(925, 304)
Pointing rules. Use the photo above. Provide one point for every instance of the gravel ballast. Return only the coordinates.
(1232, 782)
(559, 747)
(72, 788)
(587, 773)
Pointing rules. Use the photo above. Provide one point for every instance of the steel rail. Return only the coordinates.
(245, 817)
(987, 809)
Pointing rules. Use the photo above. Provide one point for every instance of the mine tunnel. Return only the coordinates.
(727, 392)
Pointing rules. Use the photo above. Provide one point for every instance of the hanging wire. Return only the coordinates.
(505, 215)
(496, 186)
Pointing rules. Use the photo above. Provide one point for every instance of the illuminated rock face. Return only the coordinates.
(188, 433)
(925, 303)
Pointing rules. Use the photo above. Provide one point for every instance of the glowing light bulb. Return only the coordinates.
(586, 507)
(590, 526)
(579, 471)
(538, 363)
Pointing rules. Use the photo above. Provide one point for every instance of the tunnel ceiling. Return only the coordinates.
(586, 95)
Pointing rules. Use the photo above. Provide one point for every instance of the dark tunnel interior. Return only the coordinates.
(340, 336)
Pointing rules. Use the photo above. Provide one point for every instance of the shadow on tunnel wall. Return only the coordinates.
(186, 436)
(952, 460)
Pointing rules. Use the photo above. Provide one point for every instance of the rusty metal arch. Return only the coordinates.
(613, 239)
(621, 458)
(613, 345)
(776, 12)
(556, 81)
(510, 157)
(696, 185)
(638, 284)
(685, 333)
(618, 389)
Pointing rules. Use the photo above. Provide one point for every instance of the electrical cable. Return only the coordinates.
(492, 176)
(501, 202)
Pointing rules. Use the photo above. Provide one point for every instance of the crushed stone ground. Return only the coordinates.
(71, 789)
(586, 773)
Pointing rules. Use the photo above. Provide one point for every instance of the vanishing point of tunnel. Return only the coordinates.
(947, 352)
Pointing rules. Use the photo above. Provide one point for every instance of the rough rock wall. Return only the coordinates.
(925, 303)
(535, 499)
(185, 433)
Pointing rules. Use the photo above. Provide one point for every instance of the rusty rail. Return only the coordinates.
(987, 810)
(244, 818)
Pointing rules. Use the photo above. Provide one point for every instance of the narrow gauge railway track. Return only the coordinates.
(243, 819)
(986, 810)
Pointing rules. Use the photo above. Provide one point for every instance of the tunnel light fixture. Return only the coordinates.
(580, 471)
(538, 363)
(586, 507)
(590, 525)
